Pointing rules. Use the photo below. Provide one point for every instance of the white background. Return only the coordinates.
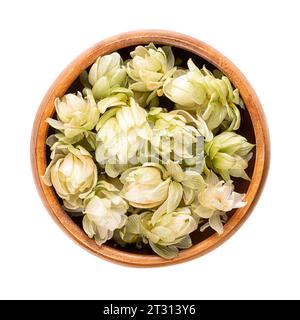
(38, 39)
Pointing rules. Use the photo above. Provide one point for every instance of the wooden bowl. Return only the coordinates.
(254, 127)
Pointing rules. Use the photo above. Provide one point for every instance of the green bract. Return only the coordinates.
(73, 174)
(199, 91)
(87, 140)
(149, 68)
(228, 155)
(104, 212)
(119, 97)
(140, 151)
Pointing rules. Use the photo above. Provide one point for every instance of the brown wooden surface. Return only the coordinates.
(255, 129)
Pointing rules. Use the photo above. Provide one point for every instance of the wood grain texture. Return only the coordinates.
(254, 113)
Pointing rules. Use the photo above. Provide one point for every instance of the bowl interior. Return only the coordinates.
(246, 129)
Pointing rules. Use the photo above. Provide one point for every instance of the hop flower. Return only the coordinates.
(166, 236)
(170, 232)
(228, 155)
(144, 187)
(149, 68)
(199, 91)
(162, 187)
(215, 198)
(76, 115)
(123, 132)
(106, 74)
(104, 212)
(183, 92)
(73, 174)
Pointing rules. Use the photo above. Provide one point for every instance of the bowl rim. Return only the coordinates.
(68, 76)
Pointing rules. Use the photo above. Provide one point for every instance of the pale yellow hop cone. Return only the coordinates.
(77, 115)
(228, 154)
(215, 198)
(73, 174)
(122, 134)
(106, 74)
(160, 187)
(200, 92)
(104, 212)
(148, 69)
(170, 232)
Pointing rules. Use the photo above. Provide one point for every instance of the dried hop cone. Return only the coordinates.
(149, 68)
(122, 133)
(73, 174)
(228, 155)
(170, 232)
(106, 74)
(215, 198)
(199, 91)
(104, 212)
(77, 115)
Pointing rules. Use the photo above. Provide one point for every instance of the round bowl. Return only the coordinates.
(253, 126)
